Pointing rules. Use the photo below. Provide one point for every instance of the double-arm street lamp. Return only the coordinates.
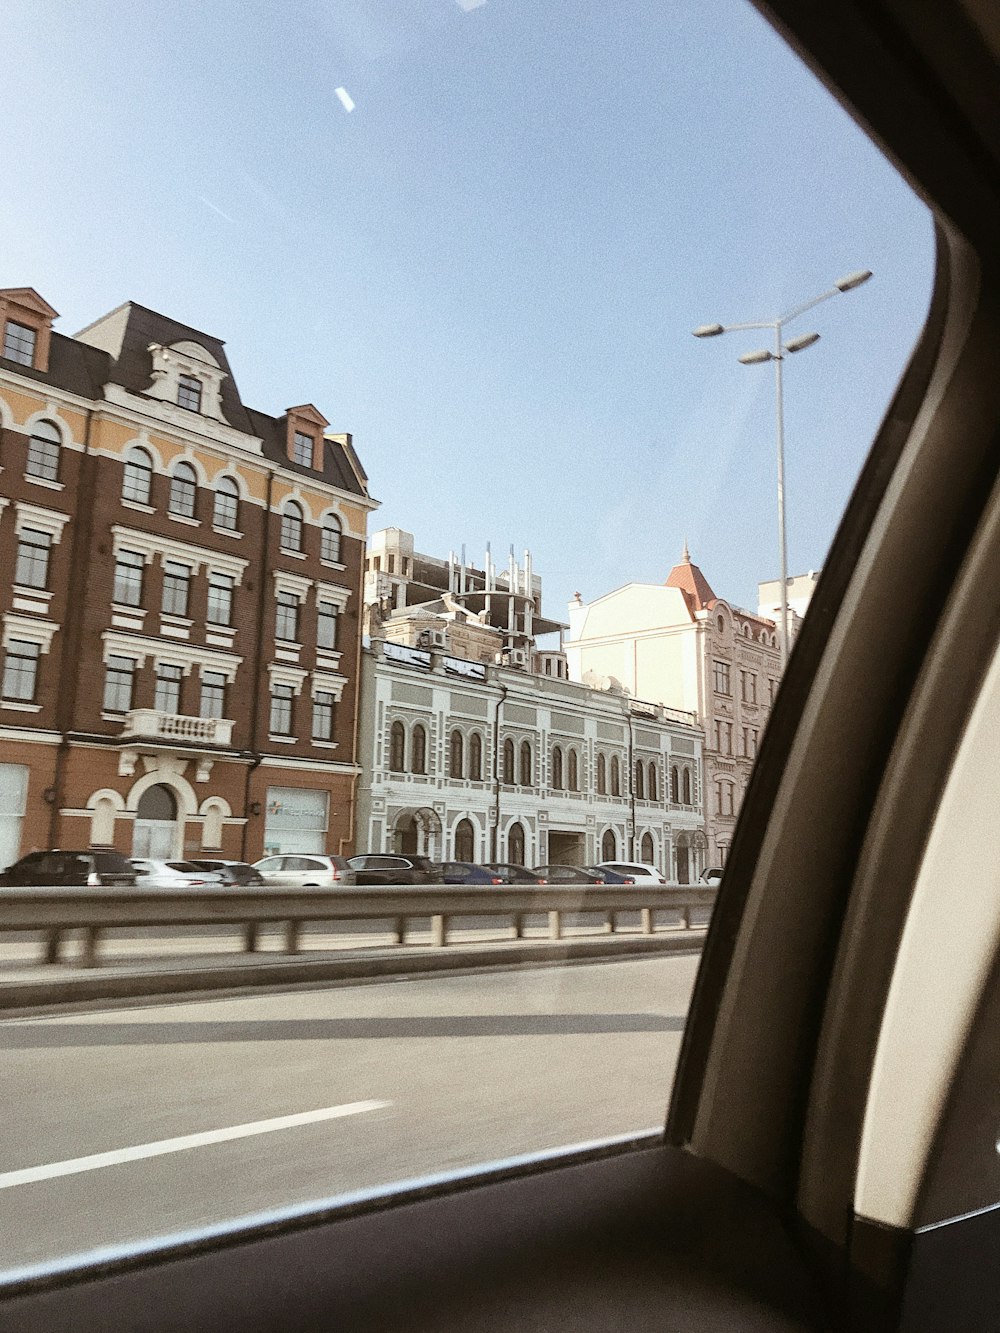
(763, 354)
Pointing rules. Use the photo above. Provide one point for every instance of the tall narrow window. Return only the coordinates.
(675, 786)
(557, 768)
(456, 756)
(527, 776)
(322, 722)
(119, 684)
(639, 783)
(44, 448)
(183, 491)
(720, 677)
(19, 343)
(176, 588)
(168, 688)
(189, 392)
(476, 757)
(573, 771)
(465, 841)
(213, 694)
(302, 449)
(330, 541)
(226, 506)
(609, 846)
(291, 527)
(652, 784)
(326, 626)
(687, 786)
(137, 477)
(616, 776)
(397, 745)
(220, 599)
(508, 762)
(419, 751)
(515, 844)
(287, 617)
(602, 775)
(129, 567)
(32, 568)
(646, 849)
(281, 710)
(20, 671)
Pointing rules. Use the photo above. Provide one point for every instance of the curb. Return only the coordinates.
(21, 995)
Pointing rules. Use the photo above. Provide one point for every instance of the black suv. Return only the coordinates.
(71, 869)
(392, 869)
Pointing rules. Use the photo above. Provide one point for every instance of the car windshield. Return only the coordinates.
(364, 494)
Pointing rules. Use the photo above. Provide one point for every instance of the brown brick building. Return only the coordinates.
(180, 598)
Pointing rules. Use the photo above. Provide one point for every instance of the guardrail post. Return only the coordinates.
(293, 932)
(519, 926)
(439, 931)
(251, 937)
(53, 943)
(611, 923)
(400, 930)
(555, 926)
(647, 920)
(88, 950)
(686, 918)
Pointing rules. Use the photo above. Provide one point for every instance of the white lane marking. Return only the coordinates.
(138, 1151)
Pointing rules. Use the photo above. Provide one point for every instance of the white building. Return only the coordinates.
(472, 761)
(679, 644)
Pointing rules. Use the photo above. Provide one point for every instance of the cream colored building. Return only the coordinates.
(680, 645)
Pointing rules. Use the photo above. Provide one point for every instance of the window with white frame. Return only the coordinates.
(302, 449)
(331, 540)
(189, 392)
(168, 688)
(20, 671)
(720, 677)
(33, 550)
(286, 625)
(326, 626)
(226, 506)
(176, 588)
(213, 694)
(137, 476)
(129, 568)
(119, 684)
(19, 343)
(282, 700)
(44, 448)
(183, 491)
(292, 526)
(322, 719)
(220, 599)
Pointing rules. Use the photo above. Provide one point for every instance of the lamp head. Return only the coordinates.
(800, 343)
(708, 330)
(853, 280)
(756, 358)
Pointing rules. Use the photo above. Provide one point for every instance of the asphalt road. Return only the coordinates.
(198, 1112)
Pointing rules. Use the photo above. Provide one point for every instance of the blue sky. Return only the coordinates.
(488, 271)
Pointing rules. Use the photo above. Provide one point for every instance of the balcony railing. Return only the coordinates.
(151, 724)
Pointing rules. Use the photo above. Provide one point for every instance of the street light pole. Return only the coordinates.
(781, 349)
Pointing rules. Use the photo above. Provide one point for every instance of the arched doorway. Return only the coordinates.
(609, 846)
(465, 841)
(646, 853)
(515, 844)
(683, 858)
(417, 833)
(154, 833)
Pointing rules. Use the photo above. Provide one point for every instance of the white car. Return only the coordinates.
(636, 870)
(306, 872)
(712, 877)
(150, 874)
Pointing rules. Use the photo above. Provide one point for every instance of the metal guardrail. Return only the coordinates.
(54, 912)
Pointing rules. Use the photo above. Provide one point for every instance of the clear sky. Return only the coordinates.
(489, 269)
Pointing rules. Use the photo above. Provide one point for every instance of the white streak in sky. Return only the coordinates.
(470, 5)
(346, 101)
(216, 209)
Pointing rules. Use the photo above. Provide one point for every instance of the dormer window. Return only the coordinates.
(19, 343)
(302, 449)
(189, 392)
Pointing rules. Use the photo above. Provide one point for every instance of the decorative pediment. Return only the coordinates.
(28, 299)
(307, 412)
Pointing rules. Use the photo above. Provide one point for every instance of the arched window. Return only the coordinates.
(609, 846)
(183, 490)
(330, 540)
(418, 753)
(651, 786)
(465, 841)
(639, 784)
(557, 768)
(675, 785)
(646, 849)
(573, 771)
(616, 776)
(397, 748)
(687, 786)
(508, 762)
(515, 844)
(602, 775)
(137, 477)
(43, 451)
(457, 754)
(291, 527)
(476, 757)
(227, 505)
(527, 777)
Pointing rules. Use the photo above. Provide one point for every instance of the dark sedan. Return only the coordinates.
(610, 876)
(557, 874)
(512, 874)
(383, 868)
(464, 872)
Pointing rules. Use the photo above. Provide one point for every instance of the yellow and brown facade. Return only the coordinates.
(180, 598)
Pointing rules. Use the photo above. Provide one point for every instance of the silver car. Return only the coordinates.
(152, 874)
(306, 872)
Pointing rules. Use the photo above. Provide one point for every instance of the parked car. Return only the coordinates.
(638, 871)
(301, 871)
(77, 869)
(237, 873)
(153, 874)
(465, 872)
(712, 877)
(609, 876)
(557, 874)
(381, 868)
(514, 874)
